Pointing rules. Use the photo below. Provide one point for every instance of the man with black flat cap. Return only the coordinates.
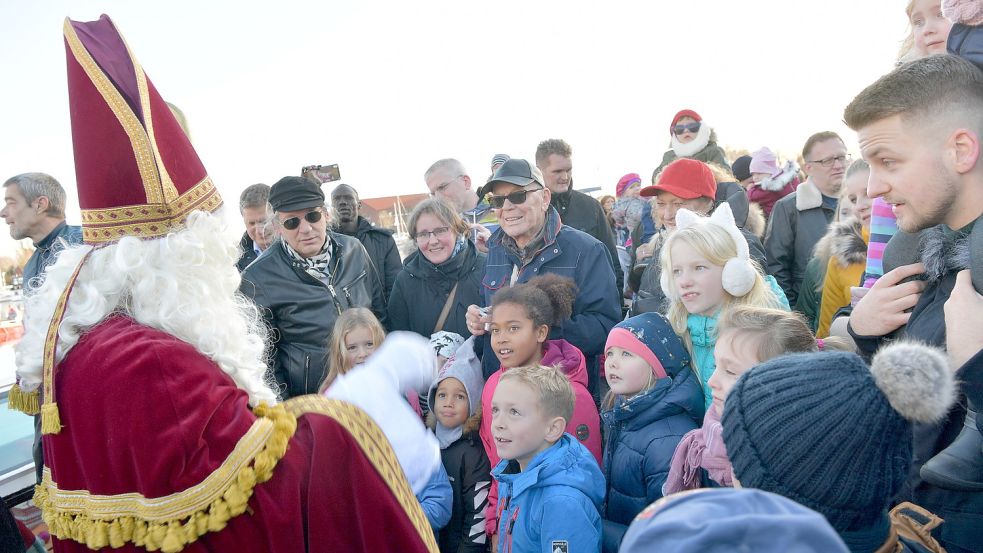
(304, 282)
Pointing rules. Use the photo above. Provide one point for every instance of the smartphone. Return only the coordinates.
(323, 173)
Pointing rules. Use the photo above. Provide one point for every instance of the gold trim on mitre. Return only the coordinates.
(376, 447)
(109, 225)
(171, 522)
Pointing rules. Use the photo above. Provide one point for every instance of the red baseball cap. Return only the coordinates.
(687, 178)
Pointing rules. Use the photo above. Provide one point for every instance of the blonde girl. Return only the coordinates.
(356, 334)
(707, 270)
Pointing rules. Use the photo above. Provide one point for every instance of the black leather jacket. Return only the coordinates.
(301, 310)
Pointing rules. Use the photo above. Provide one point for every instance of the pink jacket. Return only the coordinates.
(585, 425)
(766, 198)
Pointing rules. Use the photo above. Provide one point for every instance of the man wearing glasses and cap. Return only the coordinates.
(305, 281)
(532, 241)
(800, 219)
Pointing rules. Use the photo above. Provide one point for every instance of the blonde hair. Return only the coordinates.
(775, 331)
(610, 397)
(349, 320)
(717, 246)
(556, 398)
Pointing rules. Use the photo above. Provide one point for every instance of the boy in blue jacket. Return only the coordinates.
(550, 487)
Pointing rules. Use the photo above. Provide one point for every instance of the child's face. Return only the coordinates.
(855, 192)
(698, 281)
(930, 27)
(516, 340)
(451, 403)
(626, 373)
(733, 355)
(359, 344)
(519, 427)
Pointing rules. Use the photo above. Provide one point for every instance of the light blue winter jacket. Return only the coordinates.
(552, 505)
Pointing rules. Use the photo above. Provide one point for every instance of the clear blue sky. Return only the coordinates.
(386, 88)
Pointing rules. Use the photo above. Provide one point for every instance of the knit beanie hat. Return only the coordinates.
(651, 337)
(827, 432)
(684, 113)
(625, 182)
(966, 12)
(742, 168)
(764, 161)
(445, 343)
(726, 519)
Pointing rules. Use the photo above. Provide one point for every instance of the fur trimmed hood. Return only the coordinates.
(846, 241)
(777, 183)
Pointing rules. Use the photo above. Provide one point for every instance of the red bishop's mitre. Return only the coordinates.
(136, 170)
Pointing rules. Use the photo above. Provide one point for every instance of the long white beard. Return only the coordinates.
(693, 147)
(184, 284)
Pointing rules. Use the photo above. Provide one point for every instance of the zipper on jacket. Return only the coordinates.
(334, 297)
(307, 372)
(347, 289)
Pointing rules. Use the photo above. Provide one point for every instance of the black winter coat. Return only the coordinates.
(248, 252)
(381, 247)
(422, 288)
(470, 476)
(301, 310)
(580, 211)
(962, 511)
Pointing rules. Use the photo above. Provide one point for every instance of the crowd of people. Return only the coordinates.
(756, 354)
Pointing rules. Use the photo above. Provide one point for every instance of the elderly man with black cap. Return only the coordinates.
(532, 241)
(307, 279)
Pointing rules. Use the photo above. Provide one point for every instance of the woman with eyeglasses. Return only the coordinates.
(442, 278)
(691, 138)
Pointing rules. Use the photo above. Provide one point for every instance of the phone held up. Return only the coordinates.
(322, 173)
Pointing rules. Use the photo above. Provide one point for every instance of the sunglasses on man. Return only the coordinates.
(516, 198)
(294, 222)
(688, 127)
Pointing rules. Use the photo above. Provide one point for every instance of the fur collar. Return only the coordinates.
(778, 183)
(470, 426)
(847, 242)
(808, 196)
(692, 148)
(944, 253)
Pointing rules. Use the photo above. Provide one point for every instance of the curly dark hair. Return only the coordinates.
(548, 299)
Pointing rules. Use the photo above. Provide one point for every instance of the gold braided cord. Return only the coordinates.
(172, 522)
(376, 447)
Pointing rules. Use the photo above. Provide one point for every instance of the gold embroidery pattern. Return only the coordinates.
(148, 221)
(376, 447)
(172, 522)
(127, 119)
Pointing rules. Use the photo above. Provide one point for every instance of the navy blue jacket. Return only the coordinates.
(641, 435)
(571, 253)
(47, 248)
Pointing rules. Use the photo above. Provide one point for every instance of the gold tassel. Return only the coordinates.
(25, 402)
(173, 541)
(50, 420)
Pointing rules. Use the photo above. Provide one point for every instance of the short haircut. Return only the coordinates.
(936, 87)
(254, 196)
(448, 165)
(549, 147)
(816, 139)
(442, 211)
(34, 185)
(556, 398)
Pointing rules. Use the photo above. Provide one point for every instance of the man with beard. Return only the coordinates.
(378, 242)
(159, 430)
(920, 129)
(576, 209)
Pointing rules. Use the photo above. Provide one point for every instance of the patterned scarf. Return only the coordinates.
(318, 265)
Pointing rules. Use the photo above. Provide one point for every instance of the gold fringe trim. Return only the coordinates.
(50, 420)
(172, 536)
(25, 402)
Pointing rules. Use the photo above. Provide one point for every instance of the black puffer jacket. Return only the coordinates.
(301, 310)
(422, 288)
(470, 476)
(381, 247)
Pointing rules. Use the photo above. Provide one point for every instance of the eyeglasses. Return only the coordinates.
(294, 222)
(516, 198)
(691, 127)
(443, 186)
(829, 161)
(424, 236)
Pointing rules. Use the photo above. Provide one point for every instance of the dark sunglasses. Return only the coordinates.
(517, 197)
(294, 222)
(691, 127)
